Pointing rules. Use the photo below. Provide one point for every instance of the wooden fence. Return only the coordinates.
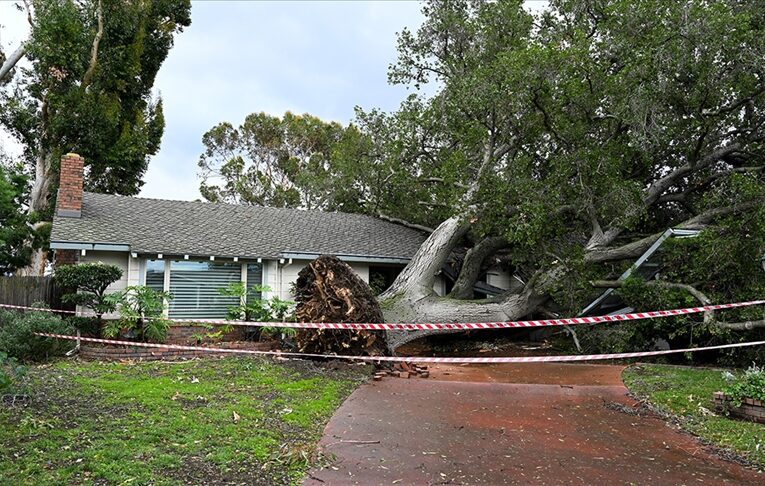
(28, 290)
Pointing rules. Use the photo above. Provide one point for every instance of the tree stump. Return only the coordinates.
(328, 290)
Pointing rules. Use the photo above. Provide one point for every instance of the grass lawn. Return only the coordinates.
(219, 421)
(687, 394)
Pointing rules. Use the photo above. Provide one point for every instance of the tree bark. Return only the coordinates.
(417, 279)
(471, 266)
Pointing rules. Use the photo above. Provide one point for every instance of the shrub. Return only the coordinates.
(10, 373)
(17, 337)
(92, 279)
(259, 310)
(141, 314)
(88, 326)
(749, 385)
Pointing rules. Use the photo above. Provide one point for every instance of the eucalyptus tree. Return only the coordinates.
(87, 89)
(272, 161)
(572, 140)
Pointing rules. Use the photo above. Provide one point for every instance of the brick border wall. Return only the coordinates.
(184, 334)
(753, 410)
(119, 353)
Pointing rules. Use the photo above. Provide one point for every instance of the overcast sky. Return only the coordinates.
(239, 57)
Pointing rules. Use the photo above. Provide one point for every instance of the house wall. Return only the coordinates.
(118, 259)
(284, 275)
(279, 277)
(498, 278)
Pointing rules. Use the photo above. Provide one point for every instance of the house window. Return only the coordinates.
(155, 274)
(254, 277)
(195, 288)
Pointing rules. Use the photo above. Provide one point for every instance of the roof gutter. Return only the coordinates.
(70, 245)
(347, 258)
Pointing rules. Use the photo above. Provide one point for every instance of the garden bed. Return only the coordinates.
(750, 409)
(91, 352)
(685, 396)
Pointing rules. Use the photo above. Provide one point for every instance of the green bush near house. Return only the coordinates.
(17, 337)
(259, 310)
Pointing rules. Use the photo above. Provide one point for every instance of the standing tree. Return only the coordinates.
(88, 90)
(90, 282)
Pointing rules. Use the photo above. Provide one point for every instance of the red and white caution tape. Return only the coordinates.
(411, 359)
(454, 325)
(41, 309)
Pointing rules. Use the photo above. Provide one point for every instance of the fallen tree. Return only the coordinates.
(569, 141)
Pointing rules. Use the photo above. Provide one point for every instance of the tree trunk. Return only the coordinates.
(39, 200)
(411, 297)
(11, 62)
(417, 279)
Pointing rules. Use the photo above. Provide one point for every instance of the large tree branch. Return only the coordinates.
(636, 248)
(11, 62)
(440, 180)
(403, 222)
(661, 185)
(471, 266)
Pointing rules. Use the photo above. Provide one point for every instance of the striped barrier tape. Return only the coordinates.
(411, 359)
(452, 326)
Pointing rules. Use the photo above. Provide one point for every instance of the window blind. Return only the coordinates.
(195, 289)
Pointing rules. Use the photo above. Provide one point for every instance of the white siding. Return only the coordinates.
(284, 275)
(498, 278)
(362, 269)
(270, 274)
(118, 259)
(134, 270)
(439, 285)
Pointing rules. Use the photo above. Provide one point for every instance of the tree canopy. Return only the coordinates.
(87, 89)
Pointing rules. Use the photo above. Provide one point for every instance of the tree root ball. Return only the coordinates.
(328, 290)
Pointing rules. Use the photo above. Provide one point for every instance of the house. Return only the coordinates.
(192, 249)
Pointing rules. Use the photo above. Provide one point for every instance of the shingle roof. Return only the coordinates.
(198, 228)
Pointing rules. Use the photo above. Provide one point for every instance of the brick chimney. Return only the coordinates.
(69, 200)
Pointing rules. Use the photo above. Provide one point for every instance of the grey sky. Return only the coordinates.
(317, 57)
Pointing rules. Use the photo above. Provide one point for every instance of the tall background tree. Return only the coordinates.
(87, 89)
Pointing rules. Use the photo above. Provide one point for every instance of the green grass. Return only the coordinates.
(235, 419)
(687, 393)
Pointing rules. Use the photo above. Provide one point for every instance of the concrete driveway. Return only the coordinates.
(510, 424)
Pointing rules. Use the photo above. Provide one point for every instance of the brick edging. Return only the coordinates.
(750, 409)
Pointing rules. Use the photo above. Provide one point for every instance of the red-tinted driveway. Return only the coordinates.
(490, 432)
